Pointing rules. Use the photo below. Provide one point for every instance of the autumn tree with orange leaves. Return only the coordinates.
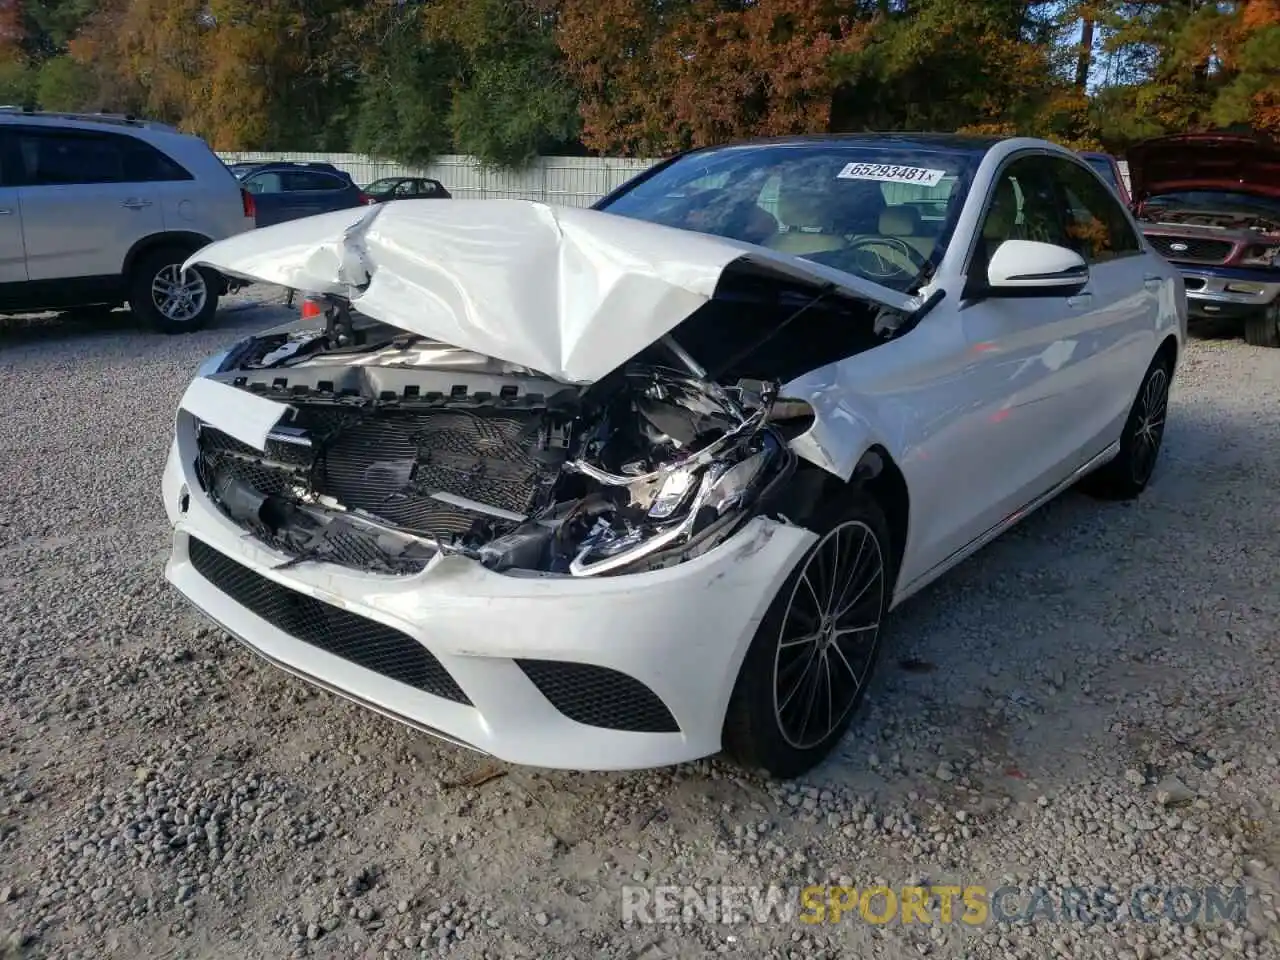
(508, 79)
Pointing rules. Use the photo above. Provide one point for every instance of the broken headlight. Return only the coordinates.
(676, 458)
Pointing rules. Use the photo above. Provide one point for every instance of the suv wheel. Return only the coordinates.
(167, 297)
(1263, 329)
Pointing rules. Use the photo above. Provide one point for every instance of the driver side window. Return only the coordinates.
(1023, 206)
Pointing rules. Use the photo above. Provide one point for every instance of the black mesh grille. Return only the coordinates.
(600, 697)
(1194, 248)
(364, 642)
(390, 464)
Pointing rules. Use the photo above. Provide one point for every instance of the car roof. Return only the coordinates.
(951, 142)
(81, 120)
(321, 166)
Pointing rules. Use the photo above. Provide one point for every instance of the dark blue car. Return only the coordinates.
(286, 191)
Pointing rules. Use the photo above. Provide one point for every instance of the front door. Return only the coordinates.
(1022, 420)
(80, 214)
(13, 258)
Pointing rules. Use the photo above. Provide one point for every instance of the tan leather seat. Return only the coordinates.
(807, 217)
(903, 222)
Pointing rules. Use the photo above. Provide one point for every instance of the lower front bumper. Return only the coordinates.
(680, 632)
(1228, 293)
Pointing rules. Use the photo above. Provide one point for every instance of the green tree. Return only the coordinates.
(62, 83)
(17, 83)
(402, 101)
(511, 97)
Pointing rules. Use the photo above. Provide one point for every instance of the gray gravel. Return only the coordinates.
(1091, 701)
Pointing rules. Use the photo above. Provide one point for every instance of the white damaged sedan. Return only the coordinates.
(623, 487)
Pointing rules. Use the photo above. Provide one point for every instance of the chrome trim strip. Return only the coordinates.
(475, 506)
(980, 541)
(289, 435)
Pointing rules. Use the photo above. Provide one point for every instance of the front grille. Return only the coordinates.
(354, 638)
(391, 464)
(1197, 249)
(600, 697)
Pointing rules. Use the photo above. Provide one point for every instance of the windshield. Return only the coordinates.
(382, 186)
(886, 214)
(1246, 206)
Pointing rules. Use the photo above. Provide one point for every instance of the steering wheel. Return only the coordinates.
(874, 264)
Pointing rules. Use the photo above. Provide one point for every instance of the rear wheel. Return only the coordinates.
(1263, 329)
(1128, 474)
(169, 298)
(812, 657)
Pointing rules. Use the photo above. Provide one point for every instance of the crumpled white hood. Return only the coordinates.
(568, 292)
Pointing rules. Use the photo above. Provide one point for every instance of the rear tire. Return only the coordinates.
(1126, 476)
(1263, 329)
(169, 299)
(813, 655)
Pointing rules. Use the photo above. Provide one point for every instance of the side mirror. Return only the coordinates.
(1028, 268)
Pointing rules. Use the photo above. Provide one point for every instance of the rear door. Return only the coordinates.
(1122, 320)
(314, 191)
(269, 199)
(13, 258)
(84, 202)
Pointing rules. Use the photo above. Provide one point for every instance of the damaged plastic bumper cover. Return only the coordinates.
(596, 673)
(530, 505)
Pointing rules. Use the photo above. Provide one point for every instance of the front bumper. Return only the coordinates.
(1228, 292)
(597, 648)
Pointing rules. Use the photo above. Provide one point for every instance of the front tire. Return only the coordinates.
(1126, 476)
(1263, 329)
(168, 298)
(809, 664)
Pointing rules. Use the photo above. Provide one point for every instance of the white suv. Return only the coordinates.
(99, 210)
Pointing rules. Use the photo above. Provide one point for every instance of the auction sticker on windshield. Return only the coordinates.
(891, 173)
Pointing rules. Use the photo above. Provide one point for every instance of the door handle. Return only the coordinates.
(133, 203)
(5, 211)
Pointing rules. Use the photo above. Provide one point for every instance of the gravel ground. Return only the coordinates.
(1091, 701)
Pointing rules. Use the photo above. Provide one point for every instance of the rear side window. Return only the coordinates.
(261, 183)
(309, 181)
(43, 158)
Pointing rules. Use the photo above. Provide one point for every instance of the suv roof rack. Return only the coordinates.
(317, 164)
(120, 119)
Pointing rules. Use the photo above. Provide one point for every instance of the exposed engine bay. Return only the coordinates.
(1154, 212)
(395, 448)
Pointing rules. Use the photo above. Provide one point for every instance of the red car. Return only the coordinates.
(1211, 204)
